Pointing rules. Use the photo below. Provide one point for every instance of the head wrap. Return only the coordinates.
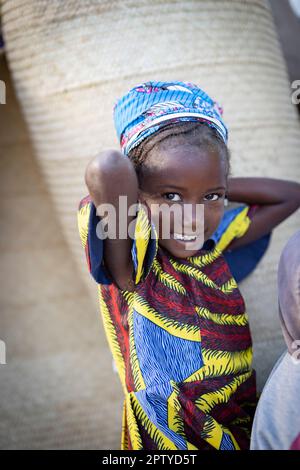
(289, 292)
(151, 105)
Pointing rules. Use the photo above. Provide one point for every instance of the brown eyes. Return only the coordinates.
(216, 197)
(175, 197)
(172, 197)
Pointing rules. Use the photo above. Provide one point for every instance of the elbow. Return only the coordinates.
(292, 196)
(292, 205)
(100, 166)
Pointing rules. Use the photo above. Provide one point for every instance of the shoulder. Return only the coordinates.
(234, 224)
(84, 202)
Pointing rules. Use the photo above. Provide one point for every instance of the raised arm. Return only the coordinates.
(108, 176)
(278, 199)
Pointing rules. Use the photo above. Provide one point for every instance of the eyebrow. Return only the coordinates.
(216, 189)
(183, 189)
(173, 186)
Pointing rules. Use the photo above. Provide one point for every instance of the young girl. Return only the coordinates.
(174, 317)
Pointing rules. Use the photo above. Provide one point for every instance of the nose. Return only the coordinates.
(193, 219)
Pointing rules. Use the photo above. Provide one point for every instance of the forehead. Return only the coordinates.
(184, 165)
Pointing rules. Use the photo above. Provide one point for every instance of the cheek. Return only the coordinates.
(154, 212)
(161, 216)
(162, 223)
(213, 216)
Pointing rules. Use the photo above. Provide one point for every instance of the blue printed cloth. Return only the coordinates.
(149, 106)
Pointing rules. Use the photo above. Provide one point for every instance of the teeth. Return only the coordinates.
(185, 238)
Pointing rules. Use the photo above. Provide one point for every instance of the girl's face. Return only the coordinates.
(184, 174)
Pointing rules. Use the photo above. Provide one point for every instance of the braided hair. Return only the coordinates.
(196, 133)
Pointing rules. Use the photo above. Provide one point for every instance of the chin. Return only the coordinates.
(186, 254)
(178, 251)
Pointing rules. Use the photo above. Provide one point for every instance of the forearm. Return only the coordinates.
(110, 175)
(263, 191)
(277, 200)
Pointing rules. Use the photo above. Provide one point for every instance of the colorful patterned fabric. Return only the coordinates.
(151, 105)
(180, 341)
(296, 443)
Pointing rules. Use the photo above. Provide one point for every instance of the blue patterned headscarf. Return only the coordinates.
(149, 106)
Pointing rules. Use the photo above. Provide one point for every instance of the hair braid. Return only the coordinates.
(197, 133)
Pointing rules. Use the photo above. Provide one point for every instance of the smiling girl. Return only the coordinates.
(174, 317)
